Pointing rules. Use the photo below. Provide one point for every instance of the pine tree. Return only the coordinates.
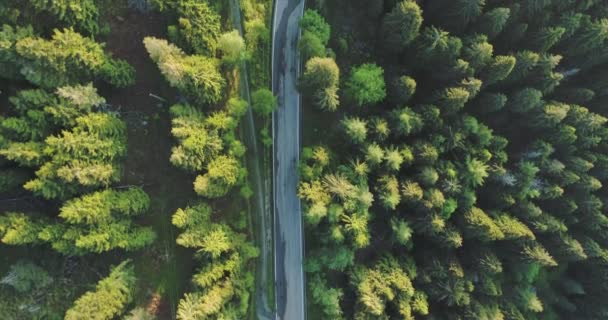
(197, 76)
(110, 297)
(492, 22)
(401, 25)
(67, 58)
(355, 129)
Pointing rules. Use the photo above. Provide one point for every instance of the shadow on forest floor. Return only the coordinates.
(164, 269)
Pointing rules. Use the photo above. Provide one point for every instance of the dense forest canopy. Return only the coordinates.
(465, 177)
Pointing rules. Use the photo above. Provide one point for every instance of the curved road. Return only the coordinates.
(289, 247)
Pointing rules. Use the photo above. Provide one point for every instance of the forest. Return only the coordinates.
(123, 184)
(452, 164)
(455, 159)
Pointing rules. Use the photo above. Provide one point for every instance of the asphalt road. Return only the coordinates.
(289, 246)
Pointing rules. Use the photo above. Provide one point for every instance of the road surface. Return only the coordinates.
(289, 246)
(259, 207)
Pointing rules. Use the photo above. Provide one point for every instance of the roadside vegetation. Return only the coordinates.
(455, 160)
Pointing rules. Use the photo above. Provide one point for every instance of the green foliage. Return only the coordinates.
(9, 58)
(315, 24)
(223, 283)
(19, 229)
(198, 26)
(328, 298)
(196, 76)
(100, 222)
(118, 73)
(355, 129)
(486, 172)
(99, 207)
(366, 85)
(232, 47)
(319, 74)
(80, 14)
(67, 58)
(407, 121)
(311, 46)
(386, 283)
(492, 22)
(87, 156)
(401, 25)
(437, 46)
(263, 102)
(111, 295)
(321, 78)
(403, 88)
(207, 143)
(481, 226)
(222, 174)
(26, 276)
(389, 191)
(237, 107)
(498, 70)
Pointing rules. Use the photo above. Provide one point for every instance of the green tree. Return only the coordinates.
(80, 13)
(479, 225)
(232, 46)
(198, 142)
(374, 154)
(453, 99)
(355, 129)
(110, 297)
(320, 74)
(19, 229)
(436, 46)
(198, 28)
(590, 35)
(402, 89)
(476, 172)
(223, 283)
(328, 298)
(388, 189)
(222, 174)
(546, 38)
(100, 222)
(86, 156)
(311, 46)
(498, 70)
(525, 100)
(25, 276)
(328, 99)
(196, 76)
(478, 52)
(386, 283)
(401, 25)
(316, 25)
(10, 61)
(492, 22)
(68, 58)
(490, 102)
(465, 11)
(366, 84)
(263, 102)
